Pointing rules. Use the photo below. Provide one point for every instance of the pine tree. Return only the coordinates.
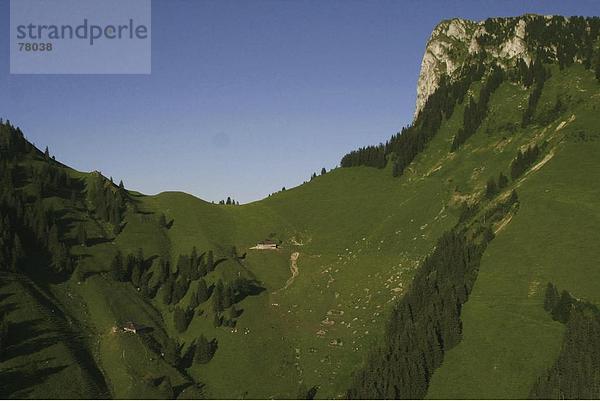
(180, 289)
(182, 319)
(203, 353)
(210, 261)
(171, 352)
(167, 291)
(228, 297)
(323, 171)
(491, 188)
(551, 297)
(562, 310)
(17, 253)
(81, 234)
(217, 297)
(502, 181)
(117, 268)
(202, 294)
(136, 275)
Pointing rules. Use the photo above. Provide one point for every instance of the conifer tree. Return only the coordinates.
(167, 291)
(202, 294)
(502, 181)
(81, 234)
(217, 297)
(210, 261)
(171, 352)
(551, 297)
(17, 253)
(117, 268)
(182, 319)
(491, 188)
(203, 353)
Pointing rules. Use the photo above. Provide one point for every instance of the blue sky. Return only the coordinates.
(245, 96)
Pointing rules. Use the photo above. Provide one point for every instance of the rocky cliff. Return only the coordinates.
(502, 41)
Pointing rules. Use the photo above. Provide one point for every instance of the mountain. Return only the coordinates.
(458, 260)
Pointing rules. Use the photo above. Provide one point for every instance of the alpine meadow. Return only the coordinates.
(457, 260)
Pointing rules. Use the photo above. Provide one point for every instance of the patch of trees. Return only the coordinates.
(475, 112)
(200, 351)
(426, 323)
(574, 39)
(107, 200)
(574, 374)
(538, 75)
(182, 318)
(493, 186)
(497, 31)
(13, 142)
(523, 161)
(11, 247)
(204, 350)
(402, 148)
(225, 297)
(29, 227)
(135, 268)
(314, 175)
(190, 268)
(229, 201)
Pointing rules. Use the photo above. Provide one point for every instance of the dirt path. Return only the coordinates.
(294, 269)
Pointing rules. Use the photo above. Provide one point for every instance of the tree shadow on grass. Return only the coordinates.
(19, 382)
(27, 338)
(97, 241)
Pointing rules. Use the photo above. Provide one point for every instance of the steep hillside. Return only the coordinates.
(418, 271)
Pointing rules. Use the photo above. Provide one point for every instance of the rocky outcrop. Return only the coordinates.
(453, 41)
(448, 37)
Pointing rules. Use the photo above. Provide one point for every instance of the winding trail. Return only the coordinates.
(294, 269)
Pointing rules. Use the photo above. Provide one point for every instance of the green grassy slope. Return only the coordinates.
(352, 265)
(359, 234)
(509, 340)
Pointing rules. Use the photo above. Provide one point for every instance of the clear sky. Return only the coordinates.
(245, 96)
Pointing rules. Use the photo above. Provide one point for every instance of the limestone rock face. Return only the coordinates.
(452, 42)
(439, 58)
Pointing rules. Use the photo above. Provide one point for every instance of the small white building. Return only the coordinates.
(265, 245)
(131, 327)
